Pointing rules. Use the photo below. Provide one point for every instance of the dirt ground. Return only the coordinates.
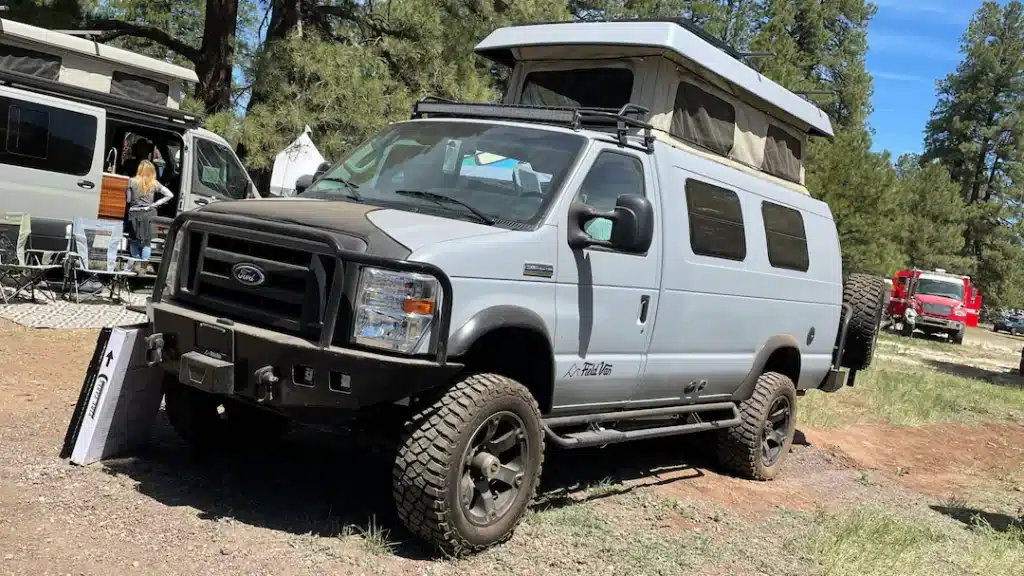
(317, 506)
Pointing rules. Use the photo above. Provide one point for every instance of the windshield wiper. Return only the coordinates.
(439, 198)
(353, 189)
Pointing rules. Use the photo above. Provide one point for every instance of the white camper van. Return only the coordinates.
(71, 112)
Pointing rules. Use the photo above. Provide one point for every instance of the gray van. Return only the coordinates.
(623, 249)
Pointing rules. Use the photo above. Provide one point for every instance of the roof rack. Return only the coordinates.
(575, 118)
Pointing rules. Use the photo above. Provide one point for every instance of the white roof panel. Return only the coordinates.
(665, 35)
(68, 43)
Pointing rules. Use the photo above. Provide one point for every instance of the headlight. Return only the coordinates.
(960, 313)
(394, 310)
(171, 261)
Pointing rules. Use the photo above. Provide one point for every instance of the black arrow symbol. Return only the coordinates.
(110, 356)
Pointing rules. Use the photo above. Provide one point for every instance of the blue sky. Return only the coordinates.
(911, 44)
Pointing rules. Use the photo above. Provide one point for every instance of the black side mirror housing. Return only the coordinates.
(321, 170)
(632, 225)
(303, 183)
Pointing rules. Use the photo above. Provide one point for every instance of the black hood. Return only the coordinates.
(346, 219)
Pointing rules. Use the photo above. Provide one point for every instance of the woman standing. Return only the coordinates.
(142, 205)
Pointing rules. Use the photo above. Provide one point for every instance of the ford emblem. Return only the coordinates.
(248, 274)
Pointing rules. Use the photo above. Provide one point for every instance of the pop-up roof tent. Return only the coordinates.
(700, 94)
(31, 52)
(301, 157)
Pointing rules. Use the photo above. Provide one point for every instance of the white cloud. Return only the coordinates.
(908, 45)
(897, 77)
(949, 10)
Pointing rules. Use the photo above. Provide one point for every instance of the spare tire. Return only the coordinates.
(866, 295)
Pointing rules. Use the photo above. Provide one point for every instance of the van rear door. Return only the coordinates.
(50, 157)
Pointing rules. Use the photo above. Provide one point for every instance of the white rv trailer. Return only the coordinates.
(71, 110)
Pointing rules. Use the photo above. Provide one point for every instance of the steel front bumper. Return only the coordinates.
(922, 322)
(281, 371)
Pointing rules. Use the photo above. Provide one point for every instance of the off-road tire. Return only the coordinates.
(865, 294)
(739, 448)
(957, 338)
(428, 467)
(196, 418)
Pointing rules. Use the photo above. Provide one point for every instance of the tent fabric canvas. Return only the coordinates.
(301, 157)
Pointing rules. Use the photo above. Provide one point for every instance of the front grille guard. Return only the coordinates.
(299, 236)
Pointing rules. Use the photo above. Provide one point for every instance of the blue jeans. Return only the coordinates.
(137, 250)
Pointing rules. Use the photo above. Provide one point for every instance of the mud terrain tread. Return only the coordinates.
(739, 447)
(429, 448)
(865, 294)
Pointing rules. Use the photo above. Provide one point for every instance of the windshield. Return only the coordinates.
(944, 288)
(465, 170)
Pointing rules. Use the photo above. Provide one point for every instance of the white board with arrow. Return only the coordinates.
(119, 400)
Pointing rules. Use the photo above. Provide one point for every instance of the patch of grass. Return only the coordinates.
(903, 394)
(869, 541)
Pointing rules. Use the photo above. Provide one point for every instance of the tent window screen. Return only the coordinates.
(587, 87)
(782, 154)
(14, 59)
(716, 221)
(139, 88)
(704, 119)
(787, 239)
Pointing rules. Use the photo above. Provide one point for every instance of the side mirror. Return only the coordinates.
(303, 183)
(632, 225)
(321, 170)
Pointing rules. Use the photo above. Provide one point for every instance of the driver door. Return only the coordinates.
(211, 172)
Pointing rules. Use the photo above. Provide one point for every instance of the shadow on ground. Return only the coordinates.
(328, 485)
(970, 516)
(1008, 377)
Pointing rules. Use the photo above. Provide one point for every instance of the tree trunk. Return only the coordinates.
(216, 58)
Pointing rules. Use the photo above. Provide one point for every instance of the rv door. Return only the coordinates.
(51, 157)
(212, 172)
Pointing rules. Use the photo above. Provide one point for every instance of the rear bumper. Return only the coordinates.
(281, 371)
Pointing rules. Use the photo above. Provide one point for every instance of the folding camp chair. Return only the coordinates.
(22, 268)
(93, 255)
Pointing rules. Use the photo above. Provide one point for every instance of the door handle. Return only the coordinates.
(201, 201)
(645, 303)
(86, 184)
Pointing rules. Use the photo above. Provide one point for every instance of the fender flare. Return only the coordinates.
(494, 318)
(773, 344)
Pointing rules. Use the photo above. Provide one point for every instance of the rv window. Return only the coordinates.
(586, 87)
(782, 154)
(217, 172)
(704, 119)
(787, 239)
(139, 88)
(46, 138)
(716, 221)
(14, 59)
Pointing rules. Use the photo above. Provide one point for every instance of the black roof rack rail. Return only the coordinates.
(116, 105)
(629, 116)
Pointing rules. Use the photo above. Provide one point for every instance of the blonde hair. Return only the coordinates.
(145, 176)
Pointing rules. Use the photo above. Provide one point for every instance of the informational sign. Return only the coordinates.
(119, 400)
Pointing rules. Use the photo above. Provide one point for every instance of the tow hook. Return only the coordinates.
(265, 382)
(154, 349)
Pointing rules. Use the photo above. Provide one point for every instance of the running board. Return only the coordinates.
(590, 438)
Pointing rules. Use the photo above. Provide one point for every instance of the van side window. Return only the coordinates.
(716, 221)
(217, 172)
(787, 239)
(612, 175)
(46, 138)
